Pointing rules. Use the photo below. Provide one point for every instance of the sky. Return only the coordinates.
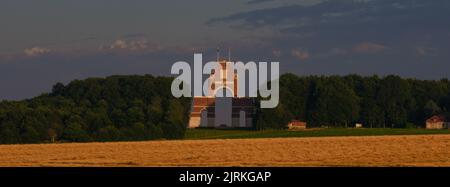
(48, 41)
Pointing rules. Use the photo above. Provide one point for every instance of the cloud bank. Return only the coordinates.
(36, 51)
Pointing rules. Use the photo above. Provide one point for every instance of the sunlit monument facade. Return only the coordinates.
(222, 112)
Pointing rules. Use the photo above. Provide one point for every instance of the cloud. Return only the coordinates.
(300, 54)
(421, 51)
(84, 39)
(134, 35)
(348, 20)
(251, 2)
(276, 52)
(36, 51)
(343, 12)
(425, 51)
(368, 47)
(290, 15)
(133, 45)
(332, 53)
(119, 44)
(338, 51)
(142, 46)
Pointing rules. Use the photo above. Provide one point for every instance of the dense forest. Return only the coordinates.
(120, 108)
(115, 108)
(342, 101)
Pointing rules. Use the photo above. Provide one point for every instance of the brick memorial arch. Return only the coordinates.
(222, 112)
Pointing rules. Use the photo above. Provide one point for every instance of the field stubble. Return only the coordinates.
(410, 150)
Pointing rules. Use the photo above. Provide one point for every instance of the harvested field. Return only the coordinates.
(410, 150)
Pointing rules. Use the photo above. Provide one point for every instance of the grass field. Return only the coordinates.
(412, 150)
(233, 134)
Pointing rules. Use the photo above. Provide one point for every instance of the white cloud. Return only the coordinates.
(368, 47)
(130, 45)
(426, 51)
(332, 52)
(36, 51)
(276, 53)
(300, 54)
(119, 44)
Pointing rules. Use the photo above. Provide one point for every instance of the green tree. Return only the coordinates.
(155, 112)
(396, 100)
(175, 126)
(135, 115)
(58, 89)
(431, 108)
(333, 103)
(74, 132)
(109, 133)
(9, 133)
(30, 135)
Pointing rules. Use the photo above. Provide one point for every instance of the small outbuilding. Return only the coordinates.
(296, 124)
(441, 121)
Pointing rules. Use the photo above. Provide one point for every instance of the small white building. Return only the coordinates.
(296, 124)
(438, 122)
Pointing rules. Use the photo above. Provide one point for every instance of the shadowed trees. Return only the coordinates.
(341, 101)
(116, 108)
(122, 108)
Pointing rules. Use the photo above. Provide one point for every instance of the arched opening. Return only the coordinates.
(223, 91)
(242, 119)
(204, 118)
(223, 108)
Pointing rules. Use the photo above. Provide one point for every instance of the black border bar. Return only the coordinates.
(278, 175)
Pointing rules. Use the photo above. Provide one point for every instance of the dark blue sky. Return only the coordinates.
(48, 41)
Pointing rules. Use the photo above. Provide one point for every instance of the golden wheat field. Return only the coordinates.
(412, 150)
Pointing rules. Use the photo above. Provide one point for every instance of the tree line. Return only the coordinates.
(120, 108)
(342, 101)
(115, 108)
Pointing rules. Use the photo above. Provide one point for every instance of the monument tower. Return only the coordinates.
(213, 111)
